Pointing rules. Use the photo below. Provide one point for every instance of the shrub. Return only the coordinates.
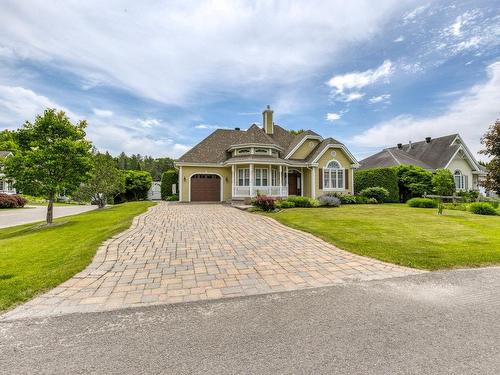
(301, 201)
(422, 203)
(344, 198)
(11, 201)
(468, 196)
(137, 185)
(482, 208)
(494, 204)
(361, 199)
(379, 193)
(384, 177)
(329, 200)
(172, 198)
(284, 204)
(372, 201)
(168, 178)
(264, 202)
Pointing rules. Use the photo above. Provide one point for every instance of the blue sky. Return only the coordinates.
(157, 79)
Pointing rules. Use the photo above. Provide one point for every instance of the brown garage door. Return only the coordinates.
(205, 188)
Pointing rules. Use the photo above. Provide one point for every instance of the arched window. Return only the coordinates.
(333, 176)
(460, 180)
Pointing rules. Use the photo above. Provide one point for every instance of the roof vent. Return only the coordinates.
(400, 146)
(238, 129)
(428, 139)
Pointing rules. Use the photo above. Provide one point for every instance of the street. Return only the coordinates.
(434, 323)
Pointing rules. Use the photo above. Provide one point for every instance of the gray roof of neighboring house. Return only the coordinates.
(4, 154)
(213, 149)
(433, 155)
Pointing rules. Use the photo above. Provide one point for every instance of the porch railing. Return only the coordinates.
(245, 191)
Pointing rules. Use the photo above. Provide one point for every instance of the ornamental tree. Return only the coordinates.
(106, 181)
(491, 142)
(413, 181)
(53, 157)
(443, 183)
(137, 184)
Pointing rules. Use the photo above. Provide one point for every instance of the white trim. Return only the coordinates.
(191, 164)
(221, 184)
(313, 182)
(181, 178)
(343, 148)
(258, 145)
(310, 136)
(463, 148)
(251, 179)
(301, 181)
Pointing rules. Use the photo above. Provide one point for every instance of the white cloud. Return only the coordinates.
(456, 28)
(333, 116)
(381, 98)
(399, 39)
(102, 112)
(207, 126)
(469, 115)
(180, 52)
(343, 83)
(18, 105)
(410, 16)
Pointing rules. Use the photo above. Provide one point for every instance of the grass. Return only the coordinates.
(396, 233)
(34, 259)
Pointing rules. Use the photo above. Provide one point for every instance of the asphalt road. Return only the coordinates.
(32, 214)
(435, 323)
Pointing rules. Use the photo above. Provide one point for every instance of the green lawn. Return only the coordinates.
(396, 233)
(34, 260)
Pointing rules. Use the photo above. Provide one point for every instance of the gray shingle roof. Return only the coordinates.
(433, 155)
(4, 154)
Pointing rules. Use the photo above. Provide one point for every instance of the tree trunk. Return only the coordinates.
(102, 201)
(50, 209)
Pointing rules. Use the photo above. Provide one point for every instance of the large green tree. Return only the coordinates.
(413, 181)
(7, 141)
(106, 181)
(53, 157)
(491, 142)
(137, 185)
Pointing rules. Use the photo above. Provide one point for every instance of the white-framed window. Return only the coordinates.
(243, 177)
(261, 177)
(461, 180)
(274, 177)
(261, 151)
(333, 176)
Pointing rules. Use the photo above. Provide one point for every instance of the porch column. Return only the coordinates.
(313, 182)
(286, 180)
(269, 180)
(233, 179)
(281, 181)
(181, 177)
(251, 180)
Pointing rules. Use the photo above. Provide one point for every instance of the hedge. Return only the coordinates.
(383, 177)
(422, 203)
(168, 178)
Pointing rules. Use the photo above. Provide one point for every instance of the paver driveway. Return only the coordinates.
(179, 252)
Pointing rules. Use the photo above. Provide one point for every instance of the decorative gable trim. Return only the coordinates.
(355, 163)
(309, 136)
(463, 147)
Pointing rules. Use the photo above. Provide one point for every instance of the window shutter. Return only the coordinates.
(321, 179)
(346, 178)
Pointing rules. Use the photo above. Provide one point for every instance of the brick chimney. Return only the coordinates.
(267, 120)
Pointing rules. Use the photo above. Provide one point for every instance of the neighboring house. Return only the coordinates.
(6, 185)
(448, 152)
(239, 164)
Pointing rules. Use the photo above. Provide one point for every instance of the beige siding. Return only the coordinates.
(305, 149)
(342, 158)
(187, 172)
(461, 164)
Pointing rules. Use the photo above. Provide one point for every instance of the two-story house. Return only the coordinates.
(235, 164)
(6, 185)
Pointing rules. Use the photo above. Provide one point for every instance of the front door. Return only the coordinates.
(294, 183)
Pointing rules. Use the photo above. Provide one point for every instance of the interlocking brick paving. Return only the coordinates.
(189, 252)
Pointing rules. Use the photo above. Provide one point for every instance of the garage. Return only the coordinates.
(205, 188)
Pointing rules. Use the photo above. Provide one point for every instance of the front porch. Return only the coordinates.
(250, 180)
